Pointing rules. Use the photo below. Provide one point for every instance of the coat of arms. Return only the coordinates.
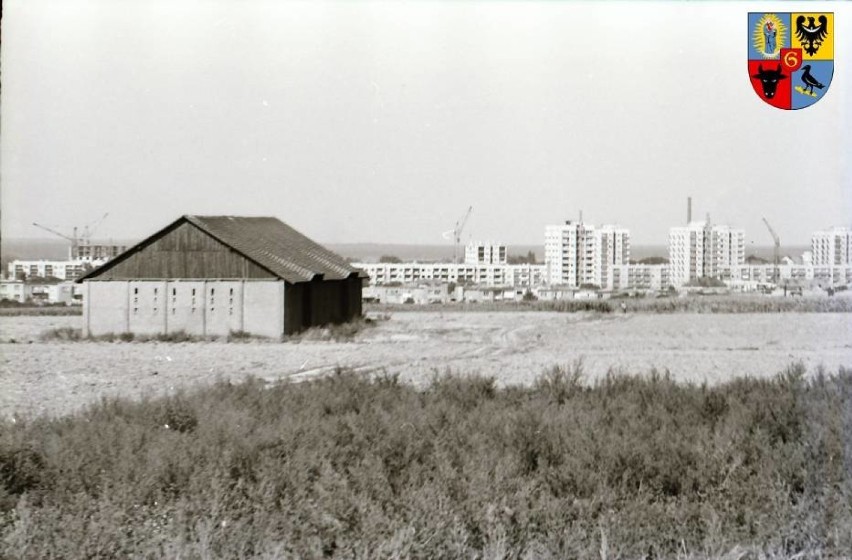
(791, 57)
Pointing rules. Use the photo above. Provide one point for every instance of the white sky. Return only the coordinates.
(383, 122)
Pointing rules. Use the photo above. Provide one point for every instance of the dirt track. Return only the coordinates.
(514, 347)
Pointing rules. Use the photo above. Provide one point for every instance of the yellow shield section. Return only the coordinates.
(825, 49)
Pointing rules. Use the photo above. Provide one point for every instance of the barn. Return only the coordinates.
(214, 275)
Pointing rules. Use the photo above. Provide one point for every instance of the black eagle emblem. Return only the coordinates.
(811, 35)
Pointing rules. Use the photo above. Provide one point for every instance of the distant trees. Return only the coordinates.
(529, 258)
(390, 259)
(653, 260)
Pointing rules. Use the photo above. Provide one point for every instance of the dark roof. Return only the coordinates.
(268, 242)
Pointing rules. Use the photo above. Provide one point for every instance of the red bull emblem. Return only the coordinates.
(791, 57)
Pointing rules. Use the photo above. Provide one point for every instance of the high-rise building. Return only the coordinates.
(701, 249)
(832, 246)
(478, 252)
(612, 248)
(576, 253)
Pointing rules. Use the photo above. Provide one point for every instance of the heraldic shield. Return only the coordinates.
(791, 57)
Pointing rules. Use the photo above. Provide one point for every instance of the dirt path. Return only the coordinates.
(514, 347)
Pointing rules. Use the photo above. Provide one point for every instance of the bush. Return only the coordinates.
(340, 332)
(62, 334)
(634, 466)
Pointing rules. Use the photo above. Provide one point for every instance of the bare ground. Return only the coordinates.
(514, 347)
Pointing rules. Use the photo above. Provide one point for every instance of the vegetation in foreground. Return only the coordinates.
(670, 304)
(338, 333)
(343, 467)
(40, 311)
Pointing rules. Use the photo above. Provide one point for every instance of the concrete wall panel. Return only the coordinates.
(148, 302)
(263, 308)
(105, 308)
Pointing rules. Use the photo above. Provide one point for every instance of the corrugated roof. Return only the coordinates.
(270, 243)
(276, 246)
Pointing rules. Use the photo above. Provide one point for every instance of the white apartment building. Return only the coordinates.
(747, 276)
(64, 270)
(515, 275)
(640, 277)
(832, 246)
(700, 249)
(612, 249)
(478, 252)
(95, 253)
(576, 253)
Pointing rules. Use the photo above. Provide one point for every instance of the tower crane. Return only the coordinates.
(77, 240)
(777, 251)
(455, 233)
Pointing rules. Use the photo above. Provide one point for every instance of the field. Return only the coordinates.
(512, 347)
(522, 434)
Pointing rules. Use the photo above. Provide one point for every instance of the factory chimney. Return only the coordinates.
(581, 216)
(688, 210)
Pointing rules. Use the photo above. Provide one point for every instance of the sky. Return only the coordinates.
(383, 122)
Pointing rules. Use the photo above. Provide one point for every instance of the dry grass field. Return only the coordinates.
(513, 347)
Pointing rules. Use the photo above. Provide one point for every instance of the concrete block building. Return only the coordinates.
(212, 275)
(702, 249)
(832, 246)
(478, 252)
(576, 253)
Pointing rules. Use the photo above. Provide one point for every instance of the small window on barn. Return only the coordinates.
(174, 291)
(155, 291)
(173, 310)
(211, 291)
(135, 291)
(155, 311)
(232, 292)
(212, 310)
(135, 310)
(193, 291)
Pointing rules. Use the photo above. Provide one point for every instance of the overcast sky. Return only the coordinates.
(383, 122)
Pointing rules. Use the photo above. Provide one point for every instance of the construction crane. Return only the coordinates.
(77, 240)
(455, 233)
(777, 252)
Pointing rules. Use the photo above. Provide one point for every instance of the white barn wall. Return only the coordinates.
(105, 308)
(263, 308)
(201, 308)
(147, 305)
(224, 307)
(186, 307)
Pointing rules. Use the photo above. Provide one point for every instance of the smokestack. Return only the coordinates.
(688, 210)
(581, 216)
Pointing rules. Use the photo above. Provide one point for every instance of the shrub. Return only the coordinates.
(630, 466)
(62, 334)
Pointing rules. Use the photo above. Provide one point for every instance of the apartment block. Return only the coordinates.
(700, 249)
(832, 246)
(63, 270)
(478, 252)
(576, 253)
(515, 275)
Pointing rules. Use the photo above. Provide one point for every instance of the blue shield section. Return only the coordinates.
(781, 38)
(807, 79)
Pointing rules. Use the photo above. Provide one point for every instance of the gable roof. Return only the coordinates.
(266, 241)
